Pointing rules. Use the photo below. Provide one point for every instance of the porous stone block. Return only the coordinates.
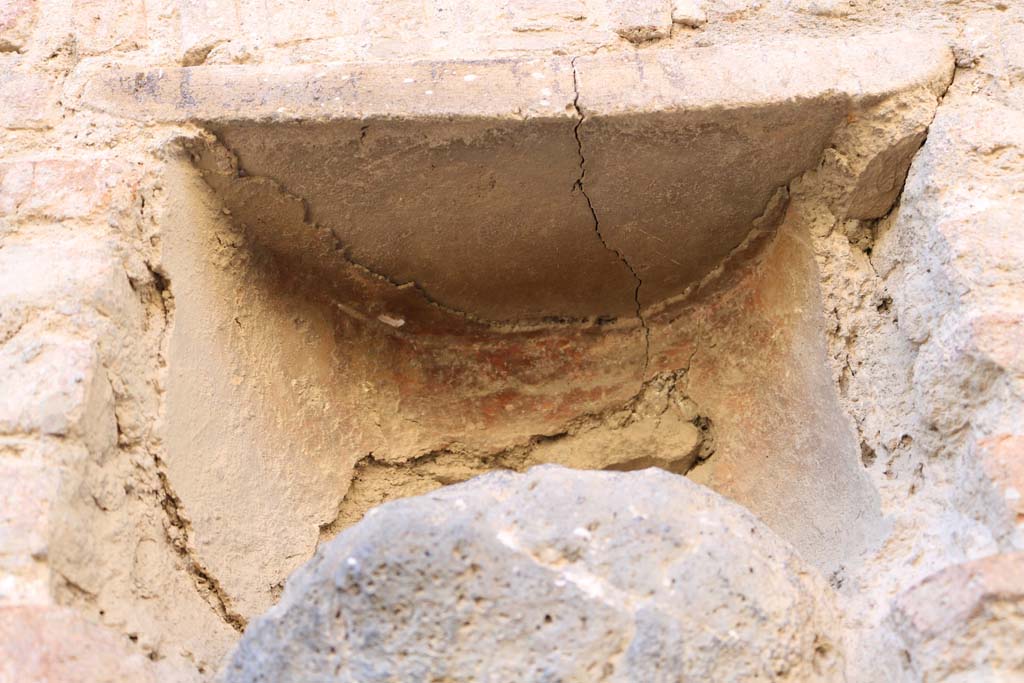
(689, 13)
(70, 394)
(550, 575)
(544, 15)
(1002, 459)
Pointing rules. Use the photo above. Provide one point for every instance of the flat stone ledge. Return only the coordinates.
(678, 153)
(734, 76)
(533, 88)
(865, 67)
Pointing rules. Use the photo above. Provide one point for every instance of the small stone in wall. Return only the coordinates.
(689, 13)
(641, 21)
(823, 8)
(545, 15)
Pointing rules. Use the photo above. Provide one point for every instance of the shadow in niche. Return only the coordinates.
(305, 388)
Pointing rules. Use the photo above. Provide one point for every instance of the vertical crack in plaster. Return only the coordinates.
(179, 528)
(578, 185)
(206, 584)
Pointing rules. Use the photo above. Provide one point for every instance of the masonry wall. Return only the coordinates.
(101, 560)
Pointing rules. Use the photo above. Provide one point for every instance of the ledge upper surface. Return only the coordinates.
(655, 79)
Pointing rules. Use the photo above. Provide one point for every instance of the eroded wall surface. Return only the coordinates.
(185, 416)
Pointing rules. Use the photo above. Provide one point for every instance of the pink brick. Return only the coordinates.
(999, 333)
(55, 644)
(28, 490)
(1002, 458)
(946, 601)
(63, 188)
(15, 186)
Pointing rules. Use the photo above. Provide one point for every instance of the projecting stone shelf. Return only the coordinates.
(532, 189)
(389, 278)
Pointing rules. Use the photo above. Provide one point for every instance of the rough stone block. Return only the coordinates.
(286, 21)
(29, 488)
(955, 252)
(95, 278)
(823, 8)
(998, 333)
(689, 13)
(536, 577)
(52, 384)
(882, 178)
(543, 15)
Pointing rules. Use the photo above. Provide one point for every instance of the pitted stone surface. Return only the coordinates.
(553, 575)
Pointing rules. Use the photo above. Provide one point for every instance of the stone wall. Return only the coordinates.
(205, 376)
